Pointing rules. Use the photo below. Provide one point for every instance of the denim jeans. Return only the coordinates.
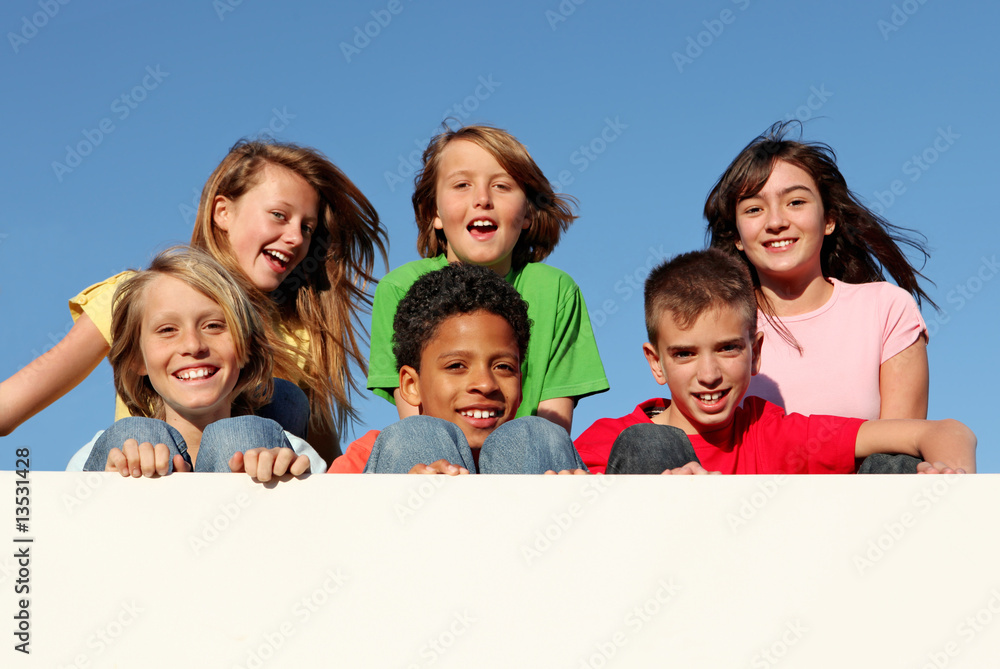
(289, 407)
(529, 445)
(888, 463)
(219, 442)
(650, 449)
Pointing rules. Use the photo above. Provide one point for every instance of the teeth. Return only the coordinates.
(199, 373)
(278, 255)
(710, 397)
(783, 243)
(478, 413)
(483, 224)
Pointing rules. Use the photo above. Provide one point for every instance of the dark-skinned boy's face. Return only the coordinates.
(470, 375)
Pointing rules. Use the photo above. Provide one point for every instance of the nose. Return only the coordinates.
(775, 220)
(193, 343)
(482, 381)
(293, 234)
(709, 371)
(484, 196)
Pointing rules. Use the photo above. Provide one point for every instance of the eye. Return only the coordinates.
(461, 185)
(752, 209)
(454, 366)
(217, 326)
(682, 355)
(507, 367)
(165, 329)
(506, 188)
(278, 215)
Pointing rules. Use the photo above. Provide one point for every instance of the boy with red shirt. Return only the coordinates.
(701, 318)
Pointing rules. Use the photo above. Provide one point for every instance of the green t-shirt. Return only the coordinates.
(562, 358)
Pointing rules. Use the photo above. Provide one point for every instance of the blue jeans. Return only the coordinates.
(888, 463)
(650, 449)
(219, 442)
(289, 407)
(529, 445)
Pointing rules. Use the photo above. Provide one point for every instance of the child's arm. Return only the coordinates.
(51, 375)
(903, 383)
(263, 464)
(691, 468)
(948, 442)
(558, 410)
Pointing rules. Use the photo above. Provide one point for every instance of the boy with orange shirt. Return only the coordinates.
(701, 318)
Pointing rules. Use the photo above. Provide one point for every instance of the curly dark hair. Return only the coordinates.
(453, 290)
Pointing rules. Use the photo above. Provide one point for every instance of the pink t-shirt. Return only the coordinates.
(844, 343)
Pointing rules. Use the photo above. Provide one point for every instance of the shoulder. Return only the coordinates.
(638, 415)
(405, 275)
(538, 271)
(100, 290)
(875, 292)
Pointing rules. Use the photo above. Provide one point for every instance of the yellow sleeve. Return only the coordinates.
(96, 301)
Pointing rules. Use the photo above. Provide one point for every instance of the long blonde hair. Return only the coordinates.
(253, 341)
(322, 296)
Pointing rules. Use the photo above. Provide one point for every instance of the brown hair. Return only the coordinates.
(549, 213)
(862, 244)
(252, 341)
(322, 296)
(691, 283)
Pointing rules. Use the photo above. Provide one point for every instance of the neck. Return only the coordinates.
(791, 297)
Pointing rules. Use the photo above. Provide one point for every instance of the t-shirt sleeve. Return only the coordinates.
(353, 461)
(383, 377)
(575, 368)
(902, 322)
(797, 444)
(96, 302)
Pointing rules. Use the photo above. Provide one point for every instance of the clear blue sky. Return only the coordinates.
(634, 108)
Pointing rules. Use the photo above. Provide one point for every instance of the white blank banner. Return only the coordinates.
(481, 571)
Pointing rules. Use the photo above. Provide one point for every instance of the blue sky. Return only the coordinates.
(117, 111)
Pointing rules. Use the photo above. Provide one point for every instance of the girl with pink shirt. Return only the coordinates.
(838, 339)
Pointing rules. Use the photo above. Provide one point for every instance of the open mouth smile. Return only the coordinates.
(278, 258)
(711, 399)
(779, 244)
(196, 373)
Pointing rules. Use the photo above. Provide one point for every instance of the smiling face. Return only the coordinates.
(270, 225)
(187, 352)
(781, 228)
(470, 375)
(480, 207)
(707, 367)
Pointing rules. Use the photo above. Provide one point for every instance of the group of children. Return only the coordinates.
(234, 354)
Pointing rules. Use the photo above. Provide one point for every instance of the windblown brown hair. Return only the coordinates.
(323, 296)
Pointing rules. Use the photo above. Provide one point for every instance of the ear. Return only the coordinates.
(409, 385)
(756, 344)
(739, 244)
(653, 358)
(437, 222)
(830, 225)
(222, 211)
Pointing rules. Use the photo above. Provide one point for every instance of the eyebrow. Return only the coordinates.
(784, 191)
(737, 341)
(460, 173)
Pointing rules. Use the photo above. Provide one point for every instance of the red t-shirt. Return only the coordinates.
(353, 460)
(761, 439)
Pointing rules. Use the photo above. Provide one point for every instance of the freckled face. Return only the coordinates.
(706, 366)
(470, 375)
(187, 351)
(480, 207)
(781, 228)
(270, 226)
